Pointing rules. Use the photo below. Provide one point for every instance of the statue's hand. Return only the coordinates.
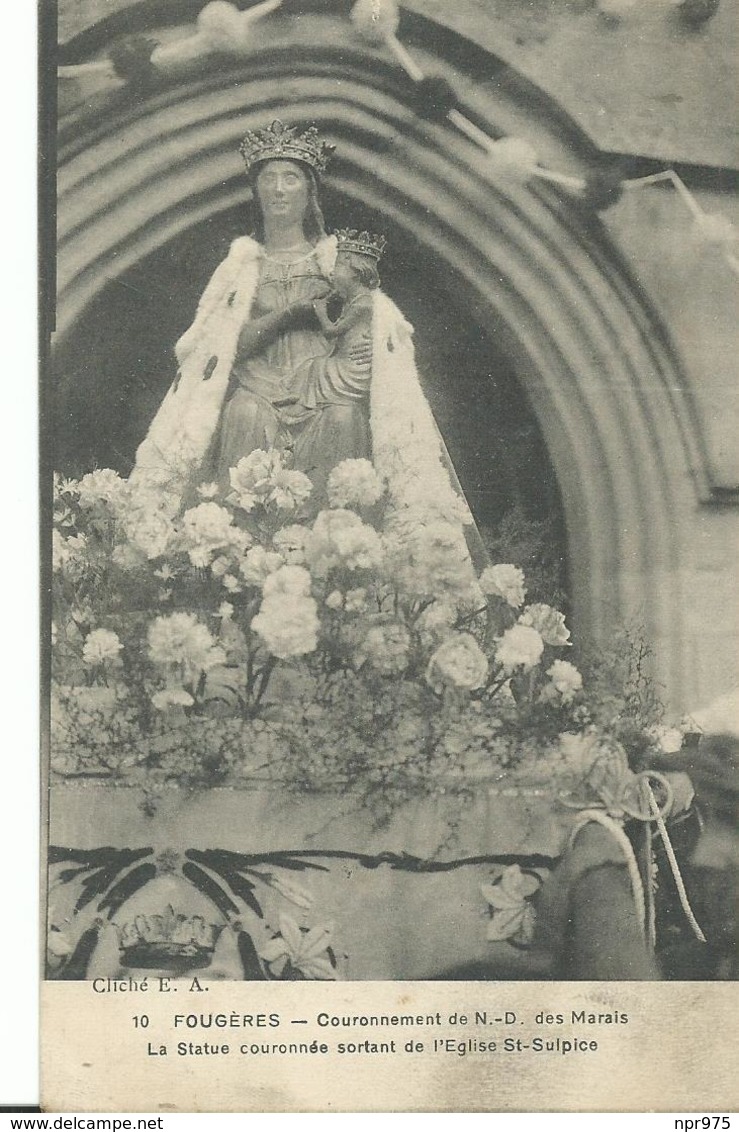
(361, 352)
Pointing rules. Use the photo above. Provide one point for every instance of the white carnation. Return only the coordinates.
(251, 476)
(354, 483)
(429, 559)
(100, 647)
(206, 529)
(287, 580)
(340, 538)
(355, 601)
(550, 623)
(504, 581)
(180, 639)
(149, 531)
(288, 624)
(171, 697)
(102, 486)
(565, 681)
(288, 489)
(290, 543)
(385, 648)
(519, 647)
(261, 477)
(458, 662)
(258, 563)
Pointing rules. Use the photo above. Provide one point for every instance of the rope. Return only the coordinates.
(649, 866)
(645, 903)
(679, 883)
(653, 812)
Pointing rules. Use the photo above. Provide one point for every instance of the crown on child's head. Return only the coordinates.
(284, 143)
(361, 243)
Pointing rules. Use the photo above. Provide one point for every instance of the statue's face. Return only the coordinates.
(282, 188)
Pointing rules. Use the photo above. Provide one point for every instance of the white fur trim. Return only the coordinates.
(407, 448)
(179, 436)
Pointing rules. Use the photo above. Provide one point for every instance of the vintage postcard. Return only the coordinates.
(389, 525)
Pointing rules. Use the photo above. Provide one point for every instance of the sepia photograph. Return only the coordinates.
(389, 488)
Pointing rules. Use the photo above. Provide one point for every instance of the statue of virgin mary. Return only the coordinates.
(242, 362)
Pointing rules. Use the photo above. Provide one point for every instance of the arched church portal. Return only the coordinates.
(524, 312)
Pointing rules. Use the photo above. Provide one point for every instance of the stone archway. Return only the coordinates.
(596, 365)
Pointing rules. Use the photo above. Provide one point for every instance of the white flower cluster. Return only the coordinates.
(147, 521)
(565, 681)
(287, 620)
(289, 542)
(149, 531)
(427, 559)
(258, 563)
(102, 486)
(262, 478)
(505, 581)
(392, 604)
(101, 647)
(172, 698)
(353, 601)
(339, 539)
(519, 648)
(354, 483)
(288, 625)
(180, 641)
(68, 553)
(385, 648)
(207, 529)
(458, 662)
(548, 622)
(288, 580)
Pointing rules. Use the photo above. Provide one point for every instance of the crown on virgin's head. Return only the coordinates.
(281, 142)
(362, 243)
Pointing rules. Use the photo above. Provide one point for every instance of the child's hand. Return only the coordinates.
(299, 312)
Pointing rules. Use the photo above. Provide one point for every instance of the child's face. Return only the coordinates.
(343, 277)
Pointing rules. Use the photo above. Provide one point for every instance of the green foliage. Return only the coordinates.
(533, 545)
(623, 697)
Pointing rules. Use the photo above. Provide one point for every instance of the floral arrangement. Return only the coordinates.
(351, 648)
